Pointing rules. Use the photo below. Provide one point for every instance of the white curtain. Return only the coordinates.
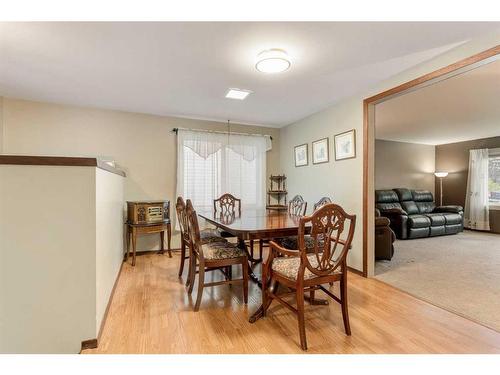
(476, 201)
(211, 164)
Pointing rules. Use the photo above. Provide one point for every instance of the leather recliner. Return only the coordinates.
(384, 238)
(413, 213)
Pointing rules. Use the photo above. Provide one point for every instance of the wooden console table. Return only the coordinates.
(134, 229)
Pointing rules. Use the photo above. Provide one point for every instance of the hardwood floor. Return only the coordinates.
(152, 313)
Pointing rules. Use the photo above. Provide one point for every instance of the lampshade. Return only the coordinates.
(440, 174)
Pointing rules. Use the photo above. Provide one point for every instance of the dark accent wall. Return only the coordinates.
(402, 164)
(454, 158)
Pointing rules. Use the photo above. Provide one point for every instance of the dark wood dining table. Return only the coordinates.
(254, 224)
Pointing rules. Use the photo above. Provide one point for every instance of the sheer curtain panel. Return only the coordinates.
(210, 164)
(476, 214)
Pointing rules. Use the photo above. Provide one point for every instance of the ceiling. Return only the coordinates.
(460, 108)
(185, 69)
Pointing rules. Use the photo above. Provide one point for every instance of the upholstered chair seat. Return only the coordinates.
(221, 250)
(291, 242)
(289, 267)
(210, 235)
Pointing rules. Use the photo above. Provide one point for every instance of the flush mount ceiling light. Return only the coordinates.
(237, 94)
(272, 61)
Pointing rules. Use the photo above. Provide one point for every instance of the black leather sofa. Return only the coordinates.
(413, 213)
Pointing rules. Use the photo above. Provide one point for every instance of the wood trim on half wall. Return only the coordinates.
(368, 105)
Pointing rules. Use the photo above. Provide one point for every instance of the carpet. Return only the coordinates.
(460, 273)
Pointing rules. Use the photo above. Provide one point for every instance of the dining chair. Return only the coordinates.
(302, 270)
(227, 206)
(211, 256)
(321, 203)
(206, 235)
(297, 206)
(290, 242)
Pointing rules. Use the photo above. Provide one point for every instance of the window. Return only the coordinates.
(211, 164)
(494, 178)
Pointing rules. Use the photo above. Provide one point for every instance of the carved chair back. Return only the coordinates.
(330, 249)
(297, 206)
(180, 207)
(321, 203)
(227, 204)
(193, 229)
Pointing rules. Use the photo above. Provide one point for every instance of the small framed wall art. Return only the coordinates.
(300, 153)
(345, 145)
(320, 153)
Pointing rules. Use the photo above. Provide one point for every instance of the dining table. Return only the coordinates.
(255, 224)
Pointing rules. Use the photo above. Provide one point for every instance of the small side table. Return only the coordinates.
(134, 229)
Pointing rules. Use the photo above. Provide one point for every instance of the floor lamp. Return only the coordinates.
(441, 175)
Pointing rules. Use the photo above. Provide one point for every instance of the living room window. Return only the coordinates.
(494, 178)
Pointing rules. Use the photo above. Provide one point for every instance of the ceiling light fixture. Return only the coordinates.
(272, 61)
(237, 94)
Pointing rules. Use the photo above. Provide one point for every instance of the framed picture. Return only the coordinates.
(345, 145)
(320, 151)
(301, 155)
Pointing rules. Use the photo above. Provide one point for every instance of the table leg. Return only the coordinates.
(259, 313)
(242, 245)
(134, 243)
(169, 238)
(162, 242)
(128, 244)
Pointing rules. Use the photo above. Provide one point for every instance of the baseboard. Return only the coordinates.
(354, 270)
(103, 321)
(150, 252)
(94, 343)
(89, 344)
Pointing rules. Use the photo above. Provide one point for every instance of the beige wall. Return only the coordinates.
(47, 258)
(1, 124)
(454, 158)
(143, 144)
(336, 179)
(109, 237)
(401, 164)
(343, 180)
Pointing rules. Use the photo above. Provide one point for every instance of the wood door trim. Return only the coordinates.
(426, 78)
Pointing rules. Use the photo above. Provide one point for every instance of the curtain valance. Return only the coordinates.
(207, 143)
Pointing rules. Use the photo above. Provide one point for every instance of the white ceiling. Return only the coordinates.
(461, 108)
(185, 69)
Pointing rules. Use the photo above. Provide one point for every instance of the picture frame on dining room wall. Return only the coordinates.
(320, 151)
(345, 145)
(300, 155)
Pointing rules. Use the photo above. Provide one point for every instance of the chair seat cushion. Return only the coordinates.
(289, 267)
(225, 234)
(418, 221)
(210, 235)
(452, 218)
(437, 220)
(292, 242)
(221, 250)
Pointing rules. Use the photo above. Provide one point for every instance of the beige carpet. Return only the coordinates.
(460, 273)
